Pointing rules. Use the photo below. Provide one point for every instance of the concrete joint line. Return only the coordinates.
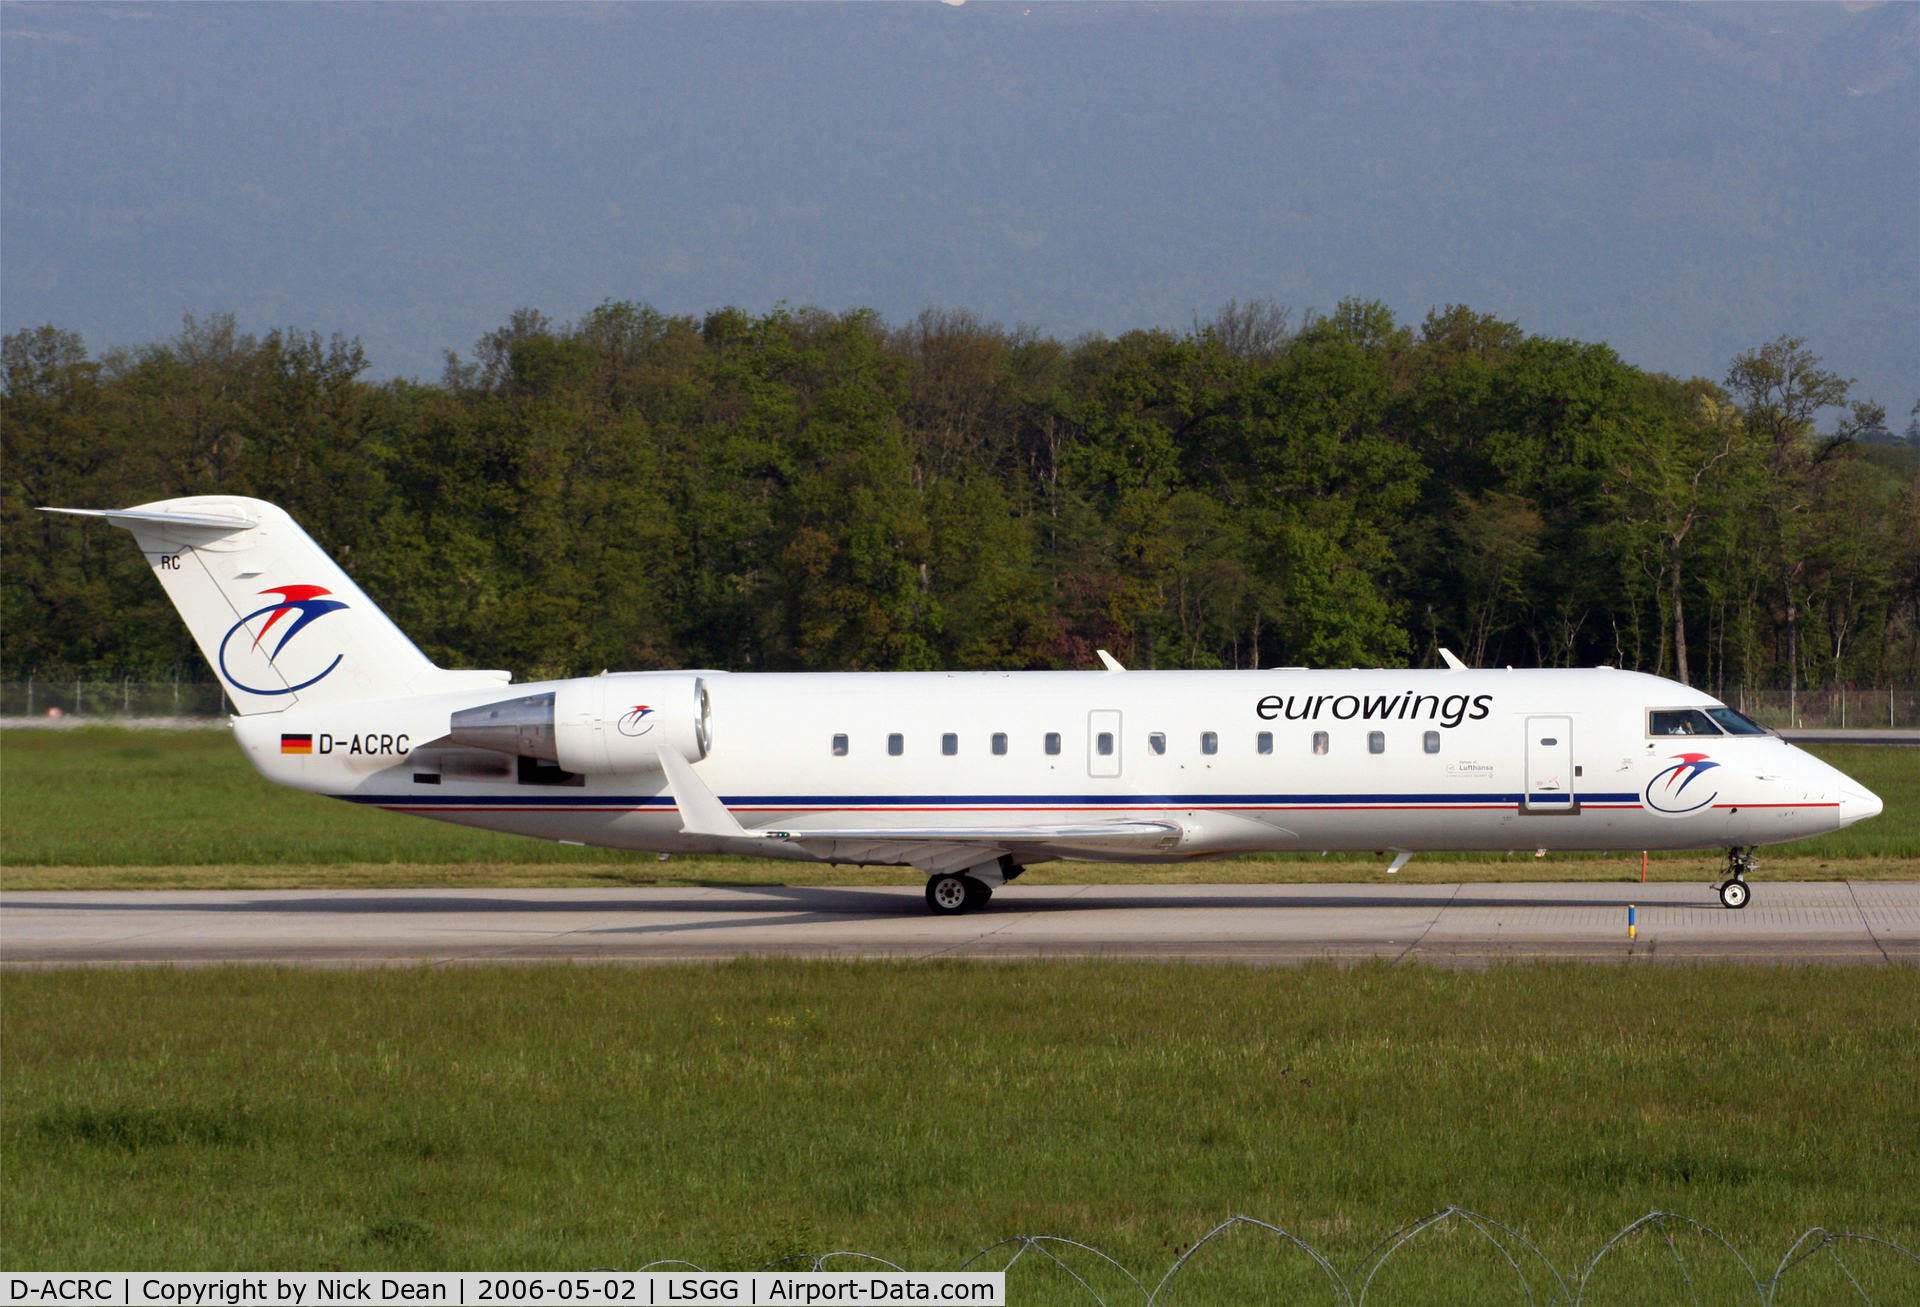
(1431, 923)
(1866, 924)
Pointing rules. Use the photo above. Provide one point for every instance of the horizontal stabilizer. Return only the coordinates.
(127, 517)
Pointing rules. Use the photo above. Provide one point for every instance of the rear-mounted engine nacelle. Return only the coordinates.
(618, 723)
(597, 725)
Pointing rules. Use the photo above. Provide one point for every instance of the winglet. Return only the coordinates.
(1453, 663)
(1109, 662)
(701, 812)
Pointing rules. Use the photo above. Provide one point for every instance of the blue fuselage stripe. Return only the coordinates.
(519, 798)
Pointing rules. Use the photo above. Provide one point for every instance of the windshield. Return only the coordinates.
(1734, 723)
(1679, 721)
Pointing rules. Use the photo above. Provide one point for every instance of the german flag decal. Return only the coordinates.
(296, 744)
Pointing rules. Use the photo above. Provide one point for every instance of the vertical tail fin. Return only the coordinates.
(277, 619)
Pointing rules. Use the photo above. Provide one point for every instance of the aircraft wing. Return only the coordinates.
(932, 848)
(1131, 834)
(955, 848)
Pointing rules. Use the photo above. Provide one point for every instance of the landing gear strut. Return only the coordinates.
(1734, 890)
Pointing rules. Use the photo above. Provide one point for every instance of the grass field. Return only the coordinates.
(555, 1117)
(114, 808)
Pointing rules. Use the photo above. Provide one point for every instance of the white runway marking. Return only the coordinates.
(1876, 923)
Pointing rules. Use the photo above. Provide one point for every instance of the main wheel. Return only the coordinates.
(1734, 894)
(977, 893)
(948, 895)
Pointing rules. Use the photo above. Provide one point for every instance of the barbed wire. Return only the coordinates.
(1528, 1264)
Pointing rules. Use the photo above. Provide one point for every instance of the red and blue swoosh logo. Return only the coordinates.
(637, 720)
(306, 605)
(1671, 789)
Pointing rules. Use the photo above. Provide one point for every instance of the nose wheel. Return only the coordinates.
(1734, 890)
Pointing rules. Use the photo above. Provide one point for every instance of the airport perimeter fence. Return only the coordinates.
(1828, 710)
(125, 698)
(108, 699)
(1452, 1255)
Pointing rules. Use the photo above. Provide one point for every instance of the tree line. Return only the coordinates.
(810, 490)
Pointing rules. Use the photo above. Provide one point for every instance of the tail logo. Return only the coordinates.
(1668, 791)
(305, 604)
(637, 720)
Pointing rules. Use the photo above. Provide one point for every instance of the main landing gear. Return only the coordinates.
(953, 892)
(1734, 890)
(950, 894)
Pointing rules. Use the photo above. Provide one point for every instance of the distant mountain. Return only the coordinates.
(1681, 180)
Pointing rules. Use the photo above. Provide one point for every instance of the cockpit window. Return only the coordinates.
(1734, 723)
(1680, 721)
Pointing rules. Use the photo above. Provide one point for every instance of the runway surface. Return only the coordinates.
(1868, 923)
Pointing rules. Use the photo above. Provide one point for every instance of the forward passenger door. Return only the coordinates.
(1549, 765)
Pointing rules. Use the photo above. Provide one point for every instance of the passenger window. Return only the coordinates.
(1209, 742)
(949, 744)
(1103, 744)
(1263, 742)
(1319, 741)
(896, 745)
(1157, 742)
(999, 744)
(1736, 723)
(839, 746)
(1053, 742)
(1431, 742)
(1376, 741)
(1680, 721)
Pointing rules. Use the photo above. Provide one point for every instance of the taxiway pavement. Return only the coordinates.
(1874, 923)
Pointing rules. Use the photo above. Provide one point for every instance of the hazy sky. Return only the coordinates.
(1682, 181)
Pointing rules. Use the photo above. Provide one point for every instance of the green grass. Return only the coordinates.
(556, 1117)
(107, 796)
(146, 801)
(1893, 773)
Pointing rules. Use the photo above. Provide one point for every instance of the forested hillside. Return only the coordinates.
(812, 491)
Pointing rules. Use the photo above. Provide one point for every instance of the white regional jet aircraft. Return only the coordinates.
(968, 776)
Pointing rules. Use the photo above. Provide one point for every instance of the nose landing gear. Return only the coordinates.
(1734, 890)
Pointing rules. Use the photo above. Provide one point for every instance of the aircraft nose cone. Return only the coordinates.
(1857, 803)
